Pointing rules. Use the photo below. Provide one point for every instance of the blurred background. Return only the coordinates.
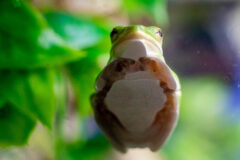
(52, 50)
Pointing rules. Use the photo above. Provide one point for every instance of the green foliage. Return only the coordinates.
(32, 43)
(34, 94)
(203, 125)
(77, 32)
(60, 89)
(31, 92)
(85, 34)
(93, 149)
(15, 126)
(83, 82)
(154, 9)
(46, 43)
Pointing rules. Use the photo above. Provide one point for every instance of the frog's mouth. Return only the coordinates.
(137, 45)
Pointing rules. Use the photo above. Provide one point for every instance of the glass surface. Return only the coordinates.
(51, 52)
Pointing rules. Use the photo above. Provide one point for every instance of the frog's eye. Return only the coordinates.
(114, 34)
(159, 33)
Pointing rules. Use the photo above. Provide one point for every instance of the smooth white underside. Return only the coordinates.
(136, 100)
(136, 48)
(139, 75)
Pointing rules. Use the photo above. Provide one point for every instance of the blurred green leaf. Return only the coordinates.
(77, 32)
(31, 92)
(99, 49)
(2, 101)
(160, 13)
(94, 149)
(83, 75)
(203, 125)
(153, 9)
(90, 36)
(26, 41)
(14, 125)
(203, 96)
(60, 88)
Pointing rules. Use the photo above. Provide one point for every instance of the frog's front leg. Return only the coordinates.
(106, 120)
(166, 118)
(160, 70)
(115, 71)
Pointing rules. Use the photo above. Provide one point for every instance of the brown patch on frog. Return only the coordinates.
(165, 119)
(107, 121)
(149, 64)
(118, 68)
(159, 69)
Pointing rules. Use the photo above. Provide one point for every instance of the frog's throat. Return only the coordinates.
(135, 46)
(138, 35)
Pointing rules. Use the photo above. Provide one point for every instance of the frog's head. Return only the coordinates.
(136, 41)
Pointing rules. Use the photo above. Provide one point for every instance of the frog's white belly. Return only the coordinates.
(135, 100)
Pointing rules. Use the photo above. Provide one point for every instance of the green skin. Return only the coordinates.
(151, 33)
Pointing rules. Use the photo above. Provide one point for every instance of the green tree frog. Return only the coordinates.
(136, 99)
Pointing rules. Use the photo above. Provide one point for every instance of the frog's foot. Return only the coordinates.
(160, 70)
